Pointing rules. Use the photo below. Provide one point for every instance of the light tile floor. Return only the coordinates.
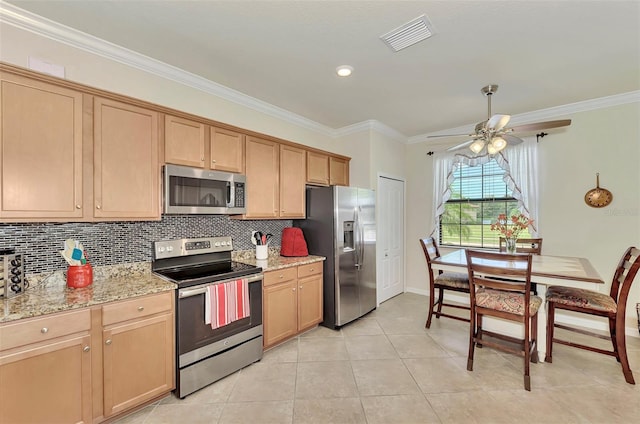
(387, 368)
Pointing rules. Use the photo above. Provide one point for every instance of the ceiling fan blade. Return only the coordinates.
(451, 135)
(460, 146)
(512, 140)
(498, 122)
(541, 125)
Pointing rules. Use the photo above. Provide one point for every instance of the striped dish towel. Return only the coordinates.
(226, 302)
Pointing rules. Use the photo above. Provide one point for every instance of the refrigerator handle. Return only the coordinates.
(356, 237)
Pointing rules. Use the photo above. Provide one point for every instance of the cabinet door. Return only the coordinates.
(317, 168)
(47, 383)
(227, 150)
(126, 167)
(309, 301)
(138, 362)
(40, 150)
(280, 310)
(184, 142)
(262, 171)
(292, 182)
(338, 171)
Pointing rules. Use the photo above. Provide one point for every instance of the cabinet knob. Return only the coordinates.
(300, 287)
(86, 349)
(202, 159)
(140, 308)
(77, 206)
(294, 289)
(97, 206)
(107, 342)
(213, 161)
(44, 330)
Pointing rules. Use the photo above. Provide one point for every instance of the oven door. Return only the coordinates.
(197, 340)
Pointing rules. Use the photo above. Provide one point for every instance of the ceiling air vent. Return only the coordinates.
(408, 34)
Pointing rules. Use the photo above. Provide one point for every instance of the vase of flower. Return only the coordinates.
(510, 228)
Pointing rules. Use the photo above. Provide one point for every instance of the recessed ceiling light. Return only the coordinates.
(344, 70)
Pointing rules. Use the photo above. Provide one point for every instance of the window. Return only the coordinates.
(478, 196)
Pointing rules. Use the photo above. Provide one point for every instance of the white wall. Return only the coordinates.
(605, 141)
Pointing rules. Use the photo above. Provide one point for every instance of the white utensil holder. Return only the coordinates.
(262, 251)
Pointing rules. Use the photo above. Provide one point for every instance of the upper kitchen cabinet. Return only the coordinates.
(262, 160)
(40, 150)
(317, 168)
(184, 142)
(338, 171)
(275, 180)
(227, 150)
(292, 182)
(126, 168)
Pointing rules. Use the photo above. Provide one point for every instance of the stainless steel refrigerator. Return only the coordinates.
(341, 225)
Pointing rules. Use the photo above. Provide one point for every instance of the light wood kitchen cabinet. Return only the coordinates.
(138, 351)
(40, 150)
(317, 168)
(292, 302)
(292, 182)
(262, 162)
(310, 281)
(275, 180)
(184, 142)
(126, 180)
(227, 150)
(45, 369)
(338, 171)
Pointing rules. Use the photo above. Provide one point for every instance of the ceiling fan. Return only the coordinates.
(494, 133)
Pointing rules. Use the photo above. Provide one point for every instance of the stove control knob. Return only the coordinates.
(15, 262)
(169, 248)
(160, 249)
(217, 244)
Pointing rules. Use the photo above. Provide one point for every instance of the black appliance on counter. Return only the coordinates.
(12, 280)
(205, 355)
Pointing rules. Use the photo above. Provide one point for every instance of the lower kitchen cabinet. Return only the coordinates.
(45, 370)
(55, 368)
(292, 299)
(138, 351)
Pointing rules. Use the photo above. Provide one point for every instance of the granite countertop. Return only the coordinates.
(48, 293)
(274, 261)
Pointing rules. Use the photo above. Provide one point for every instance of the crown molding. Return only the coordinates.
(370, 125)
(549, 113)
(39, 25)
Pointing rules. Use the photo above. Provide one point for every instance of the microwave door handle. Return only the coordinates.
(230, 195)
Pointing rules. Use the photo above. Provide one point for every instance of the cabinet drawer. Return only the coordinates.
(285, 274)
(136, 308)
(309, 269)
(41, 329)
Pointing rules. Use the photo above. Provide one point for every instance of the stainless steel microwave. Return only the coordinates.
(198, 191)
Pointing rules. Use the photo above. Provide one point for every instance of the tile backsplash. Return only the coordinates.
(110, 243)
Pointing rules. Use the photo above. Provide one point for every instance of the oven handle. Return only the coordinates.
(200, 290)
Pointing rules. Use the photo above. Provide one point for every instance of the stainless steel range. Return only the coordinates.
(203, 354)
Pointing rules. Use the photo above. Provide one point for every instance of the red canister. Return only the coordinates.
(79, 276)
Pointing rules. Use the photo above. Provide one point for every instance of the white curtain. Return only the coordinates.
(520, 164)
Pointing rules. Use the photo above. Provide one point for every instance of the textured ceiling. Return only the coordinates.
(541, 53)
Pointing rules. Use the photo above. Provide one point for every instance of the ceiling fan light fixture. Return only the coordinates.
(498, 143)
(491, 149)
(477, 146)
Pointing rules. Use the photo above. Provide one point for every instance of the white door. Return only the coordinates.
(390, 237)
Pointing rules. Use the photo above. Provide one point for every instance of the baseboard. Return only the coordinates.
(597, 325)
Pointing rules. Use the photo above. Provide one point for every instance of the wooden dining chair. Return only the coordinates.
(612, 306)
(501, 287)
(524, 245)
(453, 281)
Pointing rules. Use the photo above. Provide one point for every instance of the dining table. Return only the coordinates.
(546, 271)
